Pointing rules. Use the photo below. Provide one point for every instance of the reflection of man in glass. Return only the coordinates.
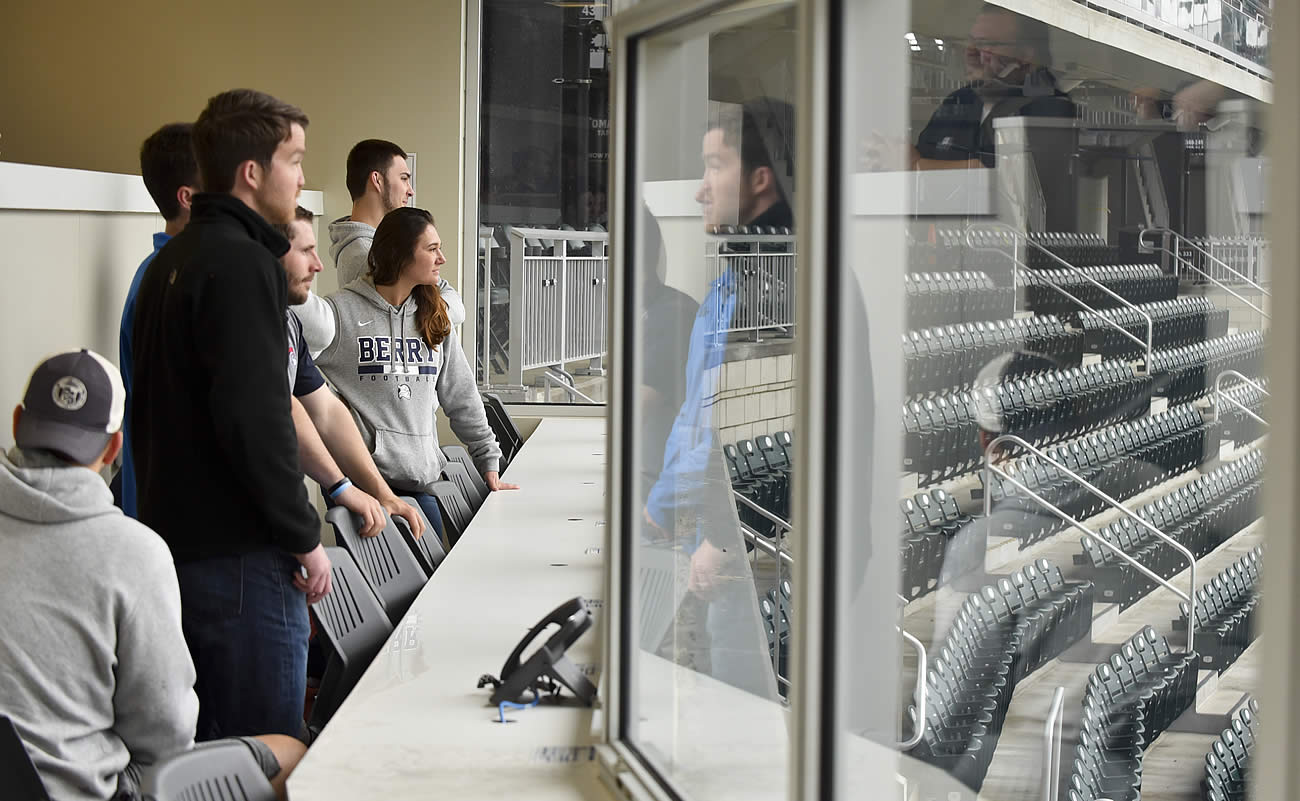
(1007, 62)
(692, 495)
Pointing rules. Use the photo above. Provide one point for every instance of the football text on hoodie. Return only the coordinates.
(394, 383)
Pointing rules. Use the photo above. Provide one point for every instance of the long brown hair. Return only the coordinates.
(396, 238)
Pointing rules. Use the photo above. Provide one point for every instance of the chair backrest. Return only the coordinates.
(456, 473)
(356, 626)
(428, 548)
(388, 565)
(508, 436)
(456, 513)
(217, 771)
(457, 453)
(22, 782)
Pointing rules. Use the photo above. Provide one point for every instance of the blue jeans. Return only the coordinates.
(247, 629)
(429, 505)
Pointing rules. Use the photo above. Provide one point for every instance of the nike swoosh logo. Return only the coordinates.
(363, 325)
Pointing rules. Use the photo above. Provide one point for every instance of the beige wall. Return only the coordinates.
(83, 85)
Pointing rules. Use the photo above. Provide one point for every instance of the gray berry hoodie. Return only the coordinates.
(350, 243)
(96, 672)
(394, 382)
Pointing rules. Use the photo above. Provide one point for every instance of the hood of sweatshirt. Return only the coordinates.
(344, 231)
(398, 320)
(37, 487)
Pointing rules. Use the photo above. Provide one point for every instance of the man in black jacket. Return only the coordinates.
(216, 454)
(1007, 62)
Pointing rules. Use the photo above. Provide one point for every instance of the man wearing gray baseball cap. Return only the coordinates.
(98, 681)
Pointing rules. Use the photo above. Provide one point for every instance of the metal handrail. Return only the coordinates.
(517, 238)
(766, 515)
(760, 542)
(989, 468)
(551, 233)
(1145, 246)
(1142, 243)
(1052, 747)
(1220, 394)
(920, 692)
(1035, 275)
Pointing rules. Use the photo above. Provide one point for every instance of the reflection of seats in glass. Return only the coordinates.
(1201, 516)
(1187, 373)
(1173, 323)
(1129, 700)
(1227, 764)
(1081, 250)
(941, 434)
(1122, 461)
(752, 476)
(777, 612)
(1001, 634)
(1226, 609)
(951, 357)
(1135, 283)
(947, 298)
(931, 523)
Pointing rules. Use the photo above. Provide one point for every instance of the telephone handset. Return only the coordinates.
(548, 664)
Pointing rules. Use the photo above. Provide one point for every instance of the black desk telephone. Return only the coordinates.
(548, 668)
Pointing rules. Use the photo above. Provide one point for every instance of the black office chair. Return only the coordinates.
(356, 626)
(457, 453)
(16, 767)
(456, 473)
(456, 512)
(508, 436)
(388, 564)
(429, 549)
(216, 771)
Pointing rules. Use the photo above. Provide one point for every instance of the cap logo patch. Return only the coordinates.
(69, 393)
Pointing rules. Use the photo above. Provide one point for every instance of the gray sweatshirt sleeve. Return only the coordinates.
(351, 261)
(155, 709)
(459, 398)
(318, 325)
(455, 305)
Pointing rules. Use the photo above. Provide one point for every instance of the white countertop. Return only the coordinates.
(416, 727)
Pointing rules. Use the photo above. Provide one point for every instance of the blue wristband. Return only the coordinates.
(338, 489)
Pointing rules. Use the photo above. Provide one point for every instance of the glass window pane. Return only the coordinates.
(543, 213)
(713, 277)
(1052, 237)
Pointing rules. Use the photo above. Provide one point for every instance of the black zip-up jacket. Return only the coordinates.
(215, 449)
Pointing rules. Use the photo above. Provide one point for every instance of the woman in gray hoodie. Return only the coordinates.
(387, 345)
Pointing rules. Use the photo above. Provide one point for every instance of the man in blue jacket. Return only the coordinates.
(172, 177)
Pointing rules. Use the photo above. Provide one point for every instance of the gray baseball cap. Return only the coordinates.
(73, 406)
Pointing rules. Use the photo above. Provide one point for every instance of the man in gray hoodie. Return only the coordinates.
(97, 680)
(379, 180)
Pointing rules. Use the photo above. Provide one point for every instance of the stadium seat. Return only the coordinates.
(429, 551)
(356, 626)
(221, 770)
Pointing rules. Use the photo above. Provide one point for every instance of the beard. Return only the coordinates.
(298, 293)
(391, 202)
